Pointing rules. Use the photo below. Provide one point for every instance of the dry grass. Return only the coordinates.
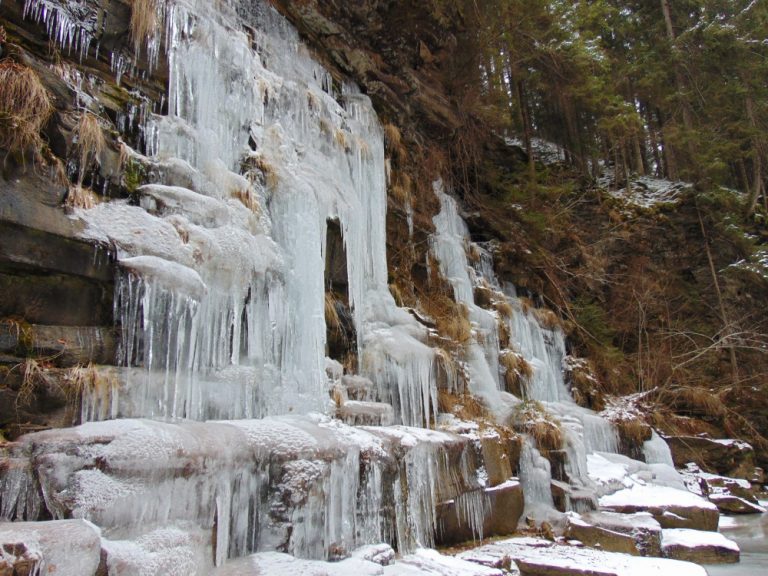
(25, 107)
(401, 189)
(365, 149)
(34, 374)
(332, 320)
(313, 102)
(484, 296)
(502, 329)
(393, 142)
(338, 395)
(696, 402)
(90, 142)
(145, 21)
(79, 196)
(249, 199)
(504, 308)
(546, 318)
(268, 172)
(455, 325)
(633, 432)
(517, 371)
(447, 370)
(341, 138)
(22, 331)
(394, 289)
(89, 381)
(464, 406)
(326, 127)
(531, 418)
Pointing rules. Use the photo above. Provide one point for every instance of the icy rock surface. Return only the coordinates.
(62, 547)
(306, 484)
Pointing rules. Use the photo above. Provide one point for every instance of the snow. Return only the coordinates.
(539, 554)
(644, 192)
(695, 538)
(655, 496)
(279, 564)
(430, 562)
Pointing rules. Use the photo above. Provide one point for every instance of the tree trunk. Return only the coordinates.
(727, 328)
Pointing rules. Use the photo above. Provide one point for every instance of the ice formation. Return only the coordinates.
(208, 445)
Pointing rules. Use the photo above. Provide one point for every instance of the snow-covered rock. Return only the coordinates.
(542, 557)
(699, 546)
(671, 507)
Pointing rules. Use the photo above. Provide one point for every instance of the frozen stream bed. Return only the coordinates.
(750, 532)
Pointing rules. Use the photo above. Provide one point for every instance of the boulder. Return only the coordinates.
(496, 459)
(729, 504)
(641, 526)
(698, 546)
(671, 507)
(61, 547)
(536, 557)
(726, 457)
(599, 537)
(502, 507)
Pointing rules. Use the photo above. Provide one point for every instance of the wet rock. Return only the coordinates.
(61, 547)
(700, 547)
(499, 512)
(61, 345)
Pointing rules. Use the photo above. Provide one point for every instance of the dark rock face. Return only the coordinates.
(502, 508)
(725, 457)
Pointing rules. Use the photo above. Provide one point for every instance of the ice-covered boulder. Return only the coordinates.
(61, 547)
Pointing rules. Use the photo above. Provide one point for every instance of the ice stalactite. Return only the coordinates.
(256, 154)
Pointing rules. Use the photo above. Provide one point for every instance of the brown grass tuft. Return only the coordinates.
(145, 21)
(393, 142)
(79, 196)
(341, 138)
(34, 374)
(464, 406)
(696, 402)
(504, 308)
(502, 329)
(257, 163)
(90, 142)
(249, 199)
(447, 370)
(332, 320)
(531, 418)
(633, 432)
(517, 371)
(25, 107)
(546, 318)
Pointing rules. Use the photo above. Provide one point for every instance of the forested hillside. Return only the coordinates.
(637, 206)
